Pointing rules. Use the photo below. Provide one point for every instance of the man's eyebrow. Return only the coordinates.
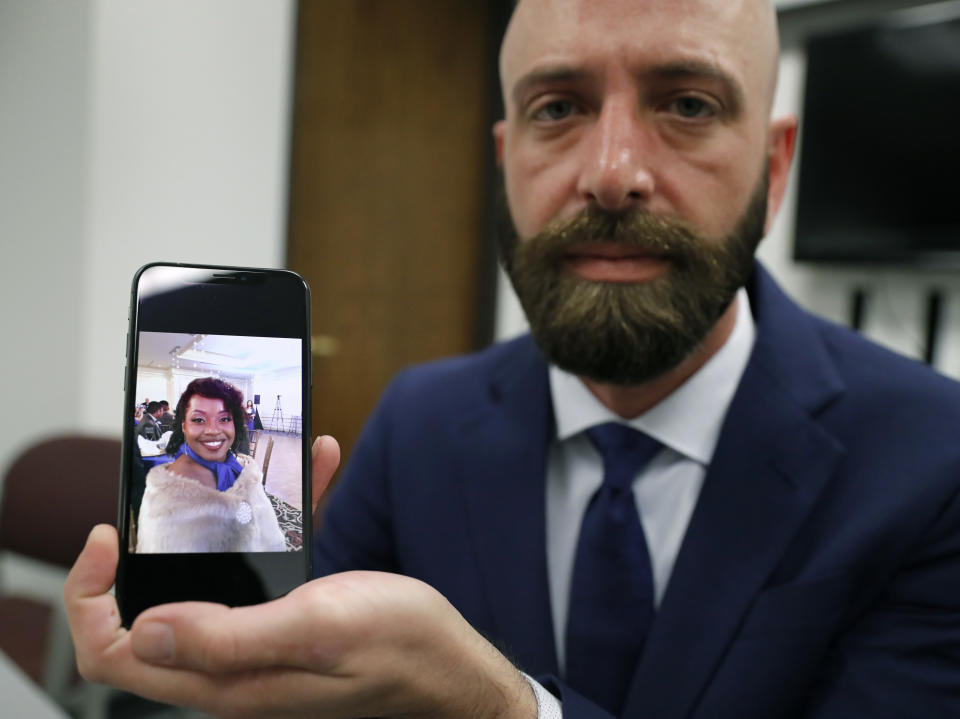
(679, 69)
(697, 68)
(545, 75)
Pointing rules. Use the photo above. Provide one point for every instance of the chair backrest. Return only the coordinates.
(55, 492)
(266, 459)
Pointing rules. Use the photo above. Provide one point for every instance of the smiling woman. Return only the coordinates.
(208, 499)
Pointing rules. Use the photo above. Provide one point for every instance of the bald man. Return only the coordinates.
(799, 516)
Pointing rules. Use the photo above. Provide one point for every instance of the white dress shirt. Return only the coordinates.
(687, 422)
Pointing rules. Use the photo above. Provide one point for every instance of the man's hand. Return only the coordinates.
(348, 645)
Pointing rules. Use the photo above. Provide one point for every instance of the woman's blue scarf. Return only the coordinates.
(226, 471)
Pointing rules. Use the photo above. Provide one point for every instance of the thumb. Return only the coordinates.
(95, 569)
(91, 609)
(326, 459)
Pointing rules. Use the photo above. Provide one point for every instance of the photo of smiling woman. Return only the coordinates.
(208, 499)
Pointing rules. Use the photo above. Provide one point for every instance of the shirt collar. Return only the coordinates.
(690, 418)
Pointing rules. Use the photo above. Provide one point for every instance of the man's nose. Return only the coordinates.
(615, 173)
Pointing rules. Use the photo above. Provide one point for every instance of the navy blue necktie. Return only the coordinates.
(611, 593)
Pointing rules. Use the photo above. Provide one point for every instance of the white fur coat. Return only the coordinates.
(179, 514)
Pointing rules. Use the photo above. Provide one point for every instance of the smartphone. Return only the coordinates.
(215, 498)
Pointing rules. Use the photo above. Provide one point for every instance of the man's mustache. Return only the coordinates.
(638, 229)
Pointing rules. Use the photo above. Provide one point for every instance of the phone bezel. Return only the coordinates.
(279, 306)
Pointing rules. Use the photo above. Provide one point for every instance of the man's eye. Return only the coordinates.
(692, 107)
(553, 111)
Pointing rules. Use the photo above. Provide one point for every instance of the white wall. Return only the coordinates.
(44, 55)
(130, 131)
(895, 313)
(189, 132)
(286, 384)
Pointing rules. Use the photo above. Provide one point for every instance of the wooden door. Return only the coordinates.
(389, 184)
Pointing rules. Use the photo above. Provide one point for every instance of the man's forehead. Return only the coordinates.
(541, 15)
(734, 34)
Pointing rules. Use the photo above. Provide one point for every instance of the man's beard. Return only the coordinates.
(628, 333)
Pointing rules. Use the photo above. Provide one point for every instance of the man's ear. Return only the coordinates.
(499, 128)
(782, 142)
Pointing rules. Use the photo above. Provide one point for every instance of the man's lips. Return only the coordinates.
(612, 262)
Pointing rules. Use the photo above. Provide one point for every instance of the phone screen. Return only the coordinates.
(215, 500)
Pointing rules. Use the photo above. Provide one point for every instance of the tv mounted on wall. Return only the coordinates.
(880, 152)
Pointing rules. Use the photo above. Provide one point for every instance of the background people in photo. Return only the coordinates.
(166, 417)
(149, 427)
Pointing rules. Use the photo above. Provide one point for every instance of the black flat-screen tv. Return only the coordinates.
(879, 175)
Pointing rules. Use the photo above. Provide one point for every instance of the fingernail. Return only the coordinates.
(153, 642)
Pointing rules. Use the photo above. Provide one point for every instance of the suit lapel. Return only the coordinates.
(771, 463)
(503, 478)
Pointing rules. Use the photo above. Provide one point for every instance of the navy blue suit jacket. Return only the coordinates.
(819, 576)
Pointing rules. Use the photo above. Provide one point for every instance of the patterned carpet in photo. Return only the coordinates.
(291, 522)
